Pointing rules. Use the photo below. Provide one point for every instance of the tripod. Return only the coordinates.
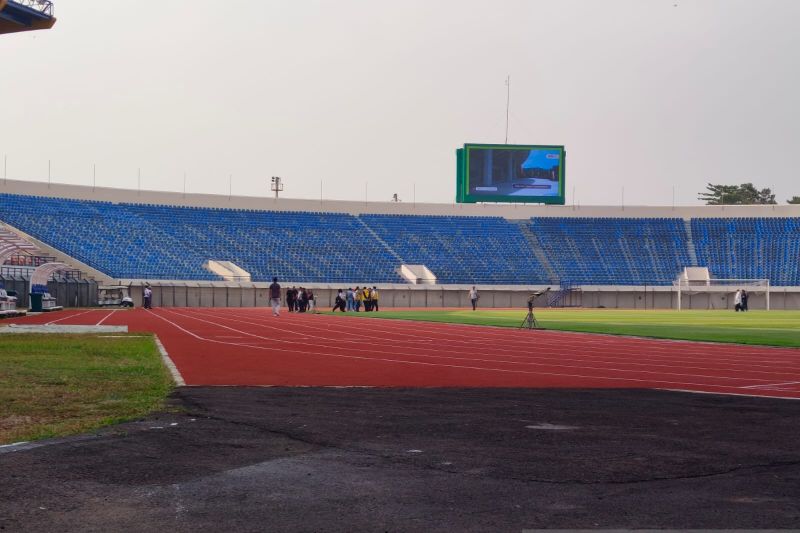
(530, 319)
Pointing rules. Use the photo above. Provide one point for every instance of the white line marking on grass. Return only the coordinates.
(176, 375)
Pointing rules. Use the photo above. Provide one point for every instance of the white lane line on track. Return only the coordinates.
(604, 339)
(579, 349)
(68, 317)
(770, 385)
(527, 359)
(734, 394)
(657, 349)
(170, 364)
(728, 351)
(105, 317)
(423, 363)
(500, 361)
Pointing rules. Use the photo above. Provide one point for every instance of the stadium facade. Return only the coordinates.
(208, 250)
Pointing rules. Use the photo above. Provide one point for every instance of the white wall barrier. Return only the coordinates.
(231, 294)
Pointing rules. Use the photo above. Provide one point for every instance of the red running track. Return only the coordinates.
(249, 346)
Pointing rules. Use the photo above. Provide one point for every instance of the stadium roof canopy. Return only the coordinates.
(25, 15)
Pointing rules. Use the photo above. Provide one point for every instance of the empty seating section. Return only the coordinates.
(750, 248)
(614, 251)
(297, 246)
(461, 249)
(105, 236)
(138, 241)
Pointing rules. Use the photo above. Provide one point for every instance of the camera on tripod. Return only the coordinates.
(530, 319)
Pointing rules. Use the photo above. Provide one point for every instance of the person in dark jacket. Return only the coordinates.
(340, 302)
(275, 297)
(291, 294)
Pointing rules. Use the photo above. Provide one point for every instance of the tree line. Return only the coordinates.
(744, 194)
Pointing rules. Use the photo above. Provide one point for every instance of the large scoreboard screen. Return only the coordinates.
(510, 173)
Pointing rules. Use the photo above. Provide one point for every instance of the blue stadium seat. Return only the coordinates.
(614, 251)
(462, 249)
(750, 248)
(170, 242)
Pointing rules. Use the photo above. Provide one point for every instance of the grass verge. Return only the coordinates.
(56, 385)
(772, 328)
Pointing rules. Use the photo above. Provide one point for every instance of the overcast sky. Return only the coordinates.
(645, 94)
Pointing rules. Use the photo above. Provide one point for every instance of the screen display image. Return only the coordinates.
(513, 174)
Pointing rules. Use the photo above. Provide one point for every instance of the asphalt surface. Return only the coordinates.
(328, 459)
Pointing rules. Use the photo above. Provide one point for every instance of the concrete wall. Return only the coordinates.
(219, 294)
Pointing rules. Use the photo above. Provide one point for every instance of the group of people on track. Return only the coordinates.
(300, 300)
(303, 300)
(353, 299)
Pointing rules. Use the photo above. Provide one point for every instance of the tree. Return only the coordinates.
(744, 194)
(794, 200)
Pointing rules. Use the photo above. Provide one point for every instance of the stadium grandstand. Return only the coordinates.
(25, 15)
(596, 256)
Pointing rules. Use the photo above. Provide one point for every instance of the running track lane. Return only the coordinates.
(248, 346)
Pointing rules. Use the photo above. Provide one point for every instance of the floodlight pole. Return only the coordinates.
(277, 186)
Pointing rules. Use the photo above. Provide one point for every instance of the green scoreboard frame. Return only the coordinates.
(462, 176)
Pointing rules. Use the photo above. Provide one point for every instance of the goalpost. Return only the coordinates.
(720, 287)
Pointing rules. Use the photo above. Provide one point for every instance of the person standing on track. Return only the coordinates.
(374, 298)
(148, 297)
(291, 295)
(473, 297)
(275, 297)
(311, 301)
(367, 300)
(359, 297)
(350, 299)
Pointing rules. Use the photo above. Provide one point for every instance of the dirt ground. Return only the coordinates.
(360, 459)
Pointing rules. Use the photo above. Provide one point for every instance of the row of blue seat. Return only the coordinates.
(169, 242)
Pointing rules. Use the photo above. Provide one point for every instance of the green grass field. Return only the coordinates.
(54, 385)
(773, 328)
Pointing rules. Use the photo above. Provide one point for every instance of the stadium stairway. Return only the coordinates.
(378, 238)
(687, 224)
(536, 247)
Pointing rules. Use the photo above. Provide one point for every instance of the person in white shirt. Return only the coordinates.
(148, 298)
(737, 301)
(473, 297)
